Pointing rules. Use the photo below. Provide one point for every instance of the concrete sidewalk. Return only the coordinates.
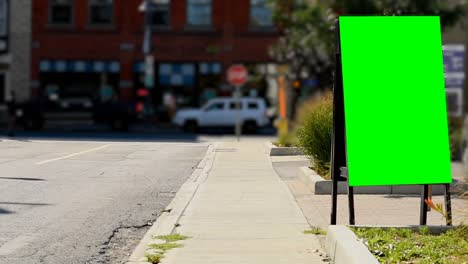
(243, 213)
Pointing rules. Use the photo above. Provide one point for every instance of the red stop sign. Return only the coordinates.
(237, 75)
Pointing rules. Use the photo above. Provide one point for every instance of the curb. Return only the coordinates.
(344, 247)
(283, 151)
(320, 186)
(166, 222)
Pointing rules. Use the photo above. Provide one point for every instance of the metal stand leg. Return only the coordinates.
(448, 205)
(334, 202)
(351, 205)
(423, 209)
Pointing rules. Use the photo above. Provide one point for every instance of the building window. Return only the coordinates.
(61, 12)
(101, 12)
(199, 12)
(261, 15)
(161, 13)
(3, 18)
(4, 31)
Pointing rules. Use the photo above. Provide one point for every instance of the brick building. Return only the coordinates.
(15, 50)
(81, 48)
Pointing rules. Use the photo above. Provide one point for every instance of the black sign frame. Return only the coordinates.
(339, 170)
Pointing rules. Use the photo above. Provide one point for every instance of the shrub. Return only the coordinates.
(315, 120)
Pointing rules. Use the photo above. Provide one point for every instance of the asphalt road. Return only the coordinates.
(81, 201)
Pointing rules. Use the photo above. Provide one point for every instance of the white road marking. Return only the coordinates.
(15, 244)
(73, 155)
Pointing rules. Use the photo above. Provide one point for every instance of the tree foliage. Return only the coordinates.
(307, 44)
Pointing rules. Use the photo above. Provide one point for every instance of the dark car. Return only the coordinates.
(34, 114)
(117, 115)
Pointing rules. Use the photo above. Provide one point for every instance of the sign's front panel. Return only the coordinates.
(394, 99)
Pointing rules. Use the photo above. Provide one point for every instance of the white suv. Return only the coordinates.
(222, 112)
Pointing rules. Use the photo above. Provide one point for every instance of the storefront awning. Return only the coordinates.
(79, 66)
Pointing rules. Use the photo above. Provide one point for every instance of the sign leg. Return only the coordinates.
(338, 150)
(429, 197)
(448, 205)
(423, 209)
(352, 220)
(334, 201)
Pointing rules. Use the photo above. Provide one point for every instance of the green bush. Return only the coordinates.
(315, 120)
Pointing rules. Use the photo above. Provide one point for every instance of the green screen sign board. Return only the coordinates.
(394, 101)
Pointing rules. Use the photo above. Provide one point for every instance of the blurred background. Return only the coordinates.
(87, 65)
(107, 106)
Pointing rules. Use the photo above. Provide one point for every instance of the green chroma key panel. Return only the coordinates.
(394, 100)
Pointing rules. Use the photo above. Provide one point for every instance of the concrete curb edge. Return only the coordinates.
(320, 186)
(166, 222)
(283, 151)
(344, 247)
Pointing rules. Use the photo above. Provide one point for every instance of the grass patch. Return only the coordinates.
(315, 231)
(163, 248)
(166, 246)
(172, 238)
(154, 258)
(401, 245)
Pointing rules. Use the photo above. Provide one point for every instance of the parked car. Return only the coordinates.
(29, 115)
(117, 115)
(33, 115)
(223, 112)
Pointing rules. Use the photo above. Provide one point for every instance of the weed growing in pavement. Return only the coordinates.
(437, 207)
(401, 245)
(315, 231)
(169, 244)
(154, 258)
(166, 246)
(172, 237)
